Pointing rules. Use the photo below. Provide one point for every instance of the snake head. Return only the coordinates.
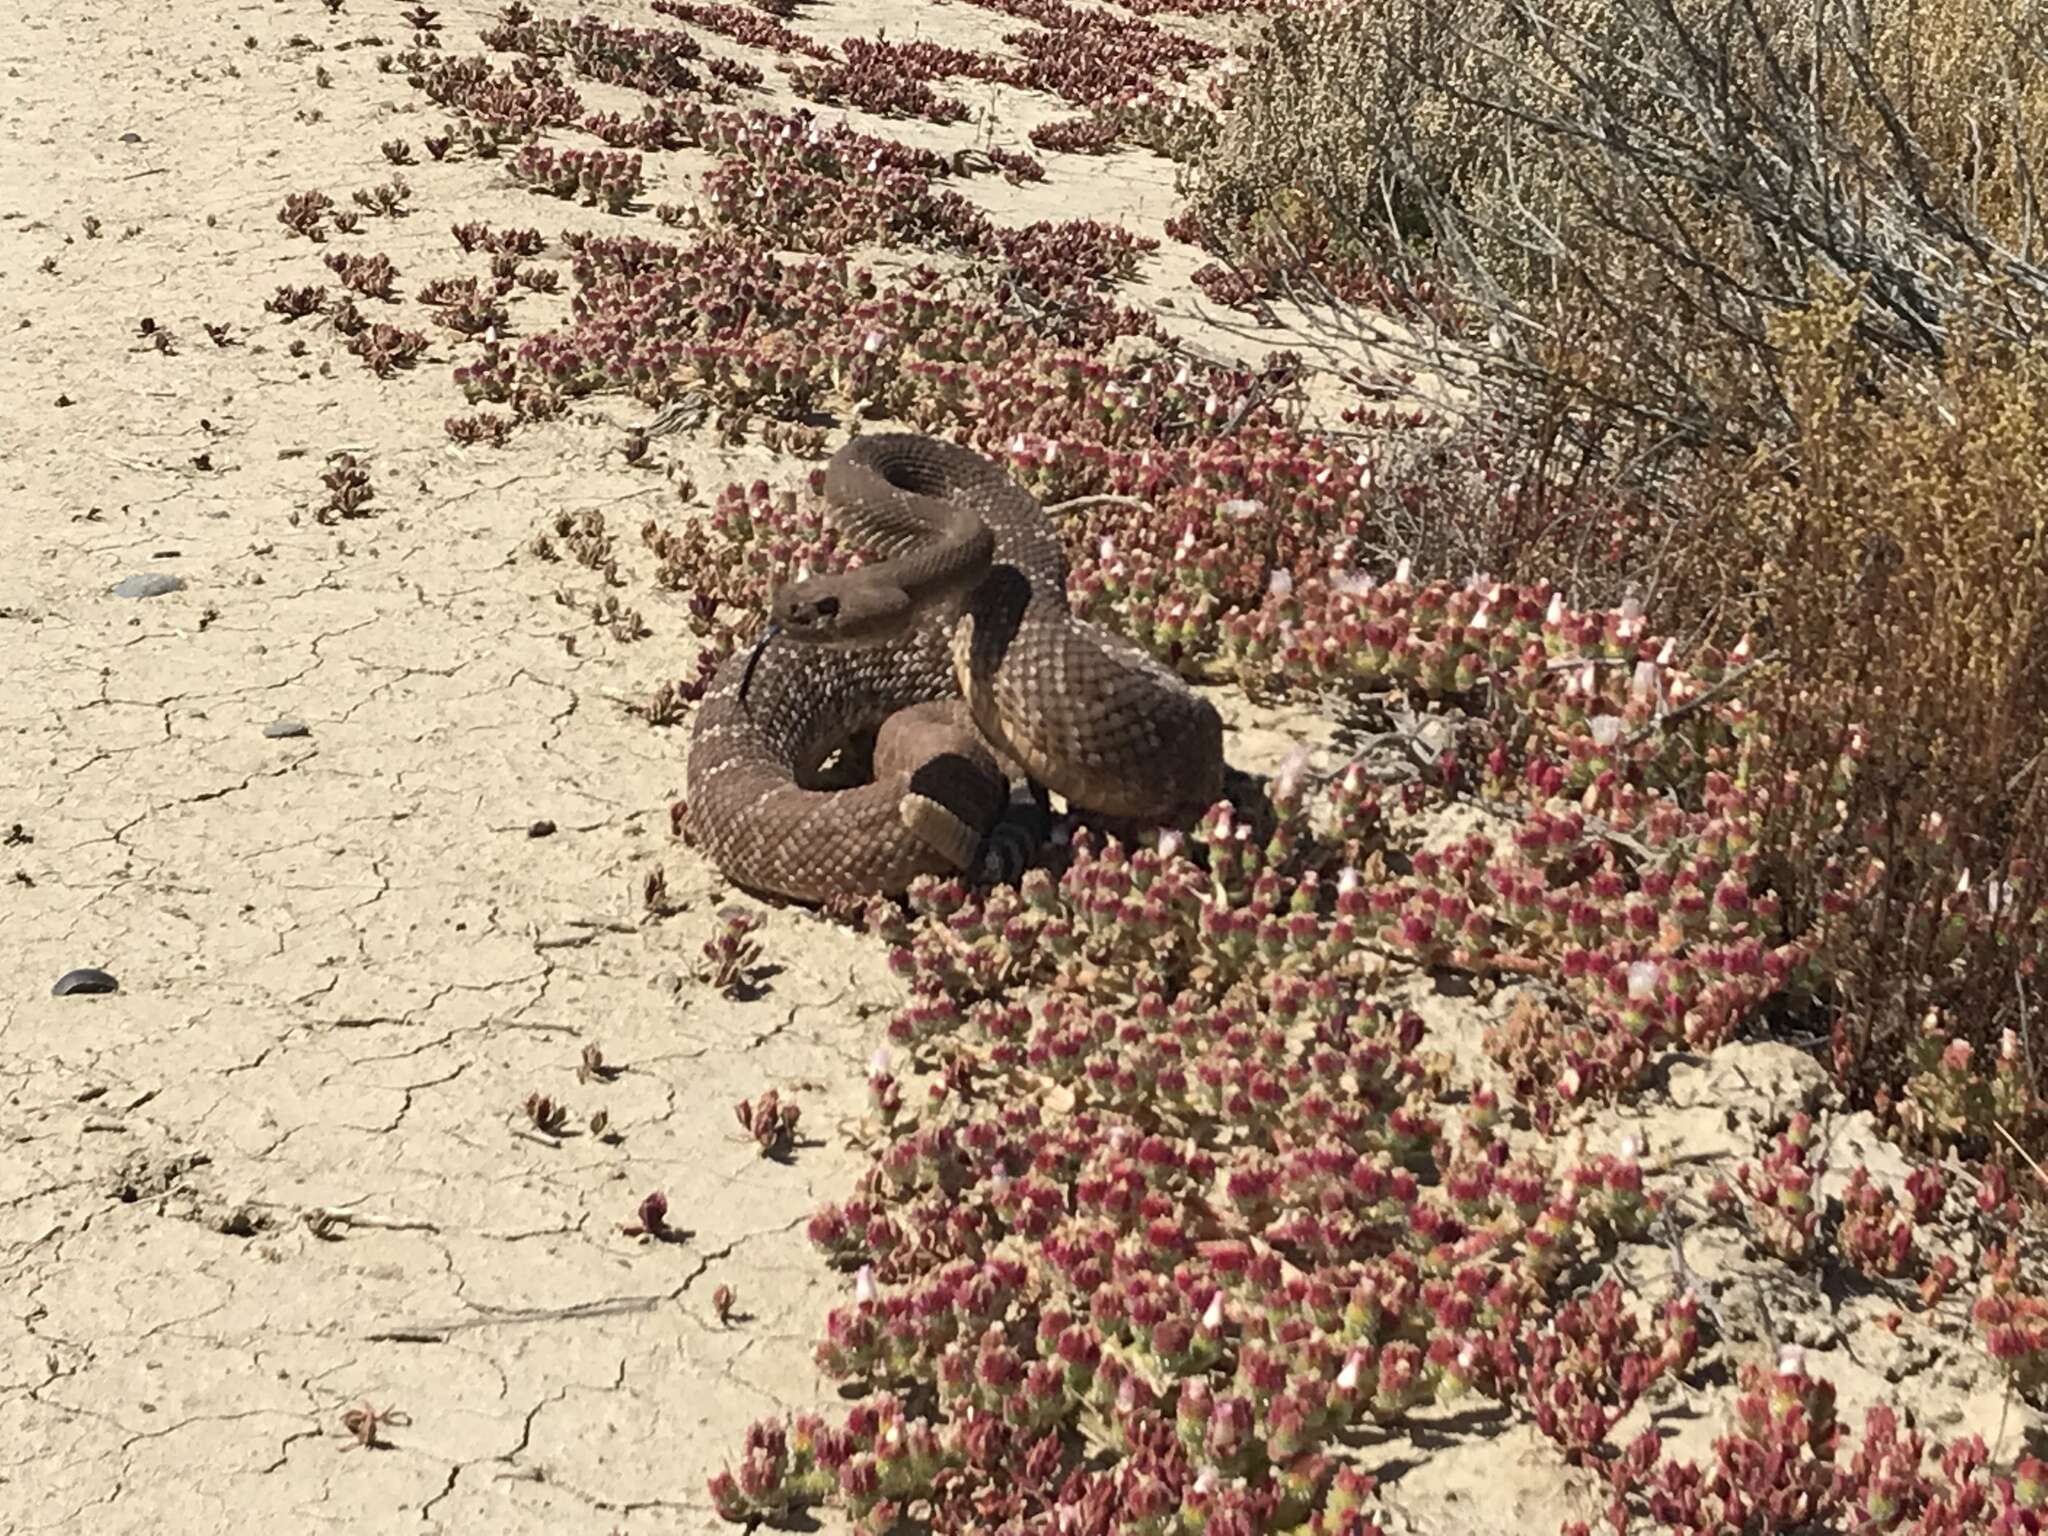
(842, 610)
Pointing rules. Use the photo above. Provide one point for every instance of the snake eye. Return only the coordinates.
(804, 615)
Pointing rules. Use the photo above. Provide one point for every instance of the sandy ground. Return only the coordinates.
(345, 958)
(357, 818)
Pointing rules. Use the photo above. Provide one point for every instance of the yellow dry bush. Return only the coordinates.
(1971, 80)
(1637, 188)
(1903, 577)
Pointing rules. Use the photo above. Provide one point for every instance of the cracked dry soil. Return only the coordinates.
(357, 817)
(284, 1171)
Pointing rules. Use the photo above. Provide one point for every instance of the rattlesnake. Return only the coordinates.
(959, 652)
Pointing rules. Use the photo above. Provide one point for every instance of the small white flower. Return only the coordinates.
(1288, 781)
(864, 1285)
(1280, 584)
(1212, 1316)
(1643, 977)
(878, 1064)
(1605, 730)
(1347, 1378)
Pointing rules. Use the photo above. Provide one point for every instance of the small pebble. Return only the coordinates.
(278, 729)
(149, 584)
(542, 828)
(84, 981)
(131, 137)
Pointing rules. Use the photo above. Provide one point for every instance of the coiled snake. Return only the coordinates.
(958, 651)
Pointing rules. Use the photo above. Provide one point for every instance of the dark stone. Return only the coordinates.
(88, 980)
(279, 729)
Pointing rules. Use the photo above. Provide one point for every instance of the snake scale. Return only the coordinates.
(958, 654)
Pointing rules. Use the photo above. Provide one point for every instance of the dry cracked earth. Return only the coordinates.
(360, 821)
(285, 1171)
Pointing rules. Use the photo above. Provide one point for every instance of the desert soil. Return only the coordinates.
(360, 821)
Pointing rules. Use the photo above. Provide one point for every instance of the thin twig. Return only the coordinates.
(2025, 1156)
(1076, 503)
(1676, 717)
(1674, 1243)
(434, 1333)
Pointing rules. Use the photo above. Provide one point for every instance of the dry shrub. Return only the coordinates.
(1626, 193)
(1771, 267)
(1904, 746)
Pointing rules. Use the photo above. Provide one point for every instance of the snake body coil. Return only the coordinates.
(958, 652)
